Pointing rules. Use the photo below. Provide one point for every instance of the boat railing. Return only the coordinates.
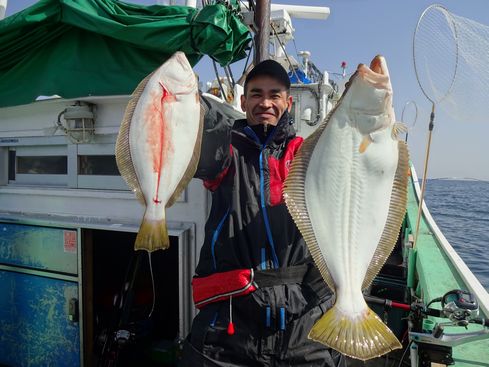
(472, 283)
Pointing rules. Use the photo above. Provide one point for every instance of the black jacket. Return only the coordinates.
(249, 227)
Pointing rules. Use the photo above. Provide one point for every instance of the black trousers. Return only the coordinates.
(271, 328)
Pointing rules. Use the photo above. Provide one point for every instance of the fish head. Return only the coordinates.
(176, 75)
(369, 95)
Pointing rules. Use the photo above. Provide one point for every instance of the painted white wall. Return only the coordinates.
(27, 125)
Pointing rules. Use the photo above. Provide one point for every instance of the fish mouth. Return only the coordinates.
(372, 89)
(377, 74)
(183, 61)
(376, 65)
(181, 80)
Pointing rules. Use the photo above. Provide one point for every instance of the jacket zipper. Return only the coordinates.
(215, 236)
(262, 193)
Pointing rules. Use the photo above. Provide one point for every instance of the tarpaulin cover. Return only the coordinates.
(76, 48)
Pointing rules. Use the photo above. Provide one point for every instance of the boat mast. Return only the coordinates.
(3, 8)
(262, 36)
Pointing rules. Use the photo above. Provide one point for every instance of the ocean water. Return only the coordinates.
(461, 211)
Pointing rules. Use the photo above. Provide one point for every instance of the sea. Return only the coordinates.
(461, 211)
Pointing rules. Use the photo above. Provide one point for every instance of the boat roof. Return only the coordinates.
(78, 48)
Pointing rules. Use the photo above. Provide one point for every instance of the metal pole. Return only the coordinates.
(3, 8)
(262, 22)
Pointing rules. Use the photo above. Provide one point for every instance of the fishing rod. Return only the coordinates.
(457, 305)
(387, 303)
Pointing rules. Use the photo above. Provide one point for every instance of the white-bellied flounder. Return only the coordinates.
(347, 192)
(158, 146)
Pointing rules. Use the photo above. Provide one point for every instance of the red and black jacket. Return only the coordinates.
(249, 226)
(256, 285)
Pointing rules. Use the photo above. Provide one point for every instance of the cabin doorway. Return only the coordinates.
(132, 315)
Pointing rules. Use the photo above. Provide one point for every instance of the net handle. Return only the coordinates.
(425, 174)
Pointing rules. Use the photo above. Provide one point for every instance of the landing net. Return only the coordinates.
(451, 62)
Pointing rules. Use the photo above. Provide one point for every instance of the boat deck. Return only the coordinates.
(436, 275)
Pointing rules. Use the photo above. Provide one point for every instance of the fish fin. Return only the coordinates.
(192, 166)
(363, 337)
(367, 140)
(122, 149)
(295, 199)
(152, 235)
(395, 216)
(397, 129)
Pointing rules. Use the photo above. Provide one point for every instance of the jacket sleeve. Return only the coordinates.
(215, 154)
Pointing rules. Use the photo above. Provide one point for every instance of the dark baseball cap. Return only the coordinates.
(269, 68)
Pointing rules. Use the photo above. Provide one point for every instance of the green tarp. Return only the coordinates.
(76, 48)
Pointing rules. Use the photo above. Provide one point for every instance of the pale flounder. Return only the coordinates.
(158, 146)
(347, 192)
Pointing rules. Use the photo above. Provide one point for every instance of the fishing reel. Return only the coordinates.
(432, 343)
(461, 308)
(459, 305)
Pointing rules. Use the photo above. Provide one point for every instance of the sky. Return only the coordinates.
(355, 32)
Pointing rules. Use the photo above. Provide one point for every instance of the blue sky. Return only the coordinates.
(356, 31)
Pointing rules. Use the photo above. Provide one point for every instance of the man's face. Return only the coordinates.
(266, 100)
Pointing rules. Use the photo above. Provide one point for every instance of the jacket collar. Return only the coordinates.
(283, 131)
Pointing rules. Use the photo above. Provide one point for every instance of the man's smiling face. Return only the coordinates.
(265, 100)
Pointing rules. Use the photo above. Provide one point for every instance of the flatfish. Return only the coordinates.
(158, 145)
(347, 192)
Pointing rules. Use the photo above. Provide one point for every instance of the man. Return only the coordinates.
(257, 288)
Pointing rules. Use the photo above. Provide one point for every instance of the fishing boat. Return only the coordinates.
(73, 290)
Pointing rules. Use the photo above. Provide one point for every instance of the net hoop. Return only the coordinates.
(415, 113)
(453, 27)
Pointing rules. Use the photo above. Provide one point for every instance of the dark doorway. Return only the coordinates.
(127, 329)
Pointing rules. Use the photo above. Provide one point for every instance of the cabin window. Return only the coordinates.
(97, 168)
(44, 165)
(104, 165)
(82, 166)
(11, 165)
(38, 165)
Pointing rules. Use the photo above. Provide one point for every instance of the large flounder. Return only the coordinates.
(158, 146)
(347, 192)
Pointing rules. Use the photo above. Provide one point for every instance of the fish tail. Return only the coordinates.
(362, 337)
(152, 235)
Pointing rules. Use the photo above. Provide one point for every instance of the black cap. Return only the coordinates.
(269, 68)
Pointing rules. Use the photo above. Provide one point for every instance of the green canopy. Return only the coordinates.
(76, 48)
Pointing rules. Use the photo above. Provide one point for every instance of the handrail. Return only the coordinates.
(472, 283)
